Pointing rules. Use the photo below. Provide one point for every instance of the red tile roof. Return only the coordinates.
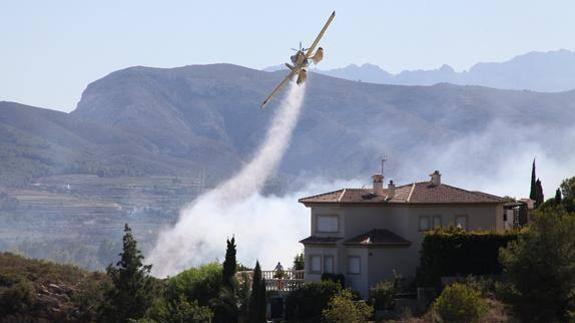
(378, 237)
(416, 193)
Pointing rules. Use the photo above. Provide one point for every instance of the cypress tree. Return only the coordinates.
(257, 304)
(230, 265)
(226, 308)
(539, 197)
(131, 292)
(262, 304)
(558, 196)
(533, 191)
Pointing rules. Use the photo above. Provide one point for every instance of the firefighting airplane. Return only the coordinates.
(301, 60)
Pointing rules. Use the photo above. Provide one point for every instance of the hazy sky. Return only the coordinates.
(50, 50)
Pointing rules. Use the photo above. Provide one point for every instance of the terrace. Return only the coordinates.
(280, 281)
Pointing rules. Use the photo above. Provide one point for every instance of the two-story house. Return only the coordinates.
(367, 234)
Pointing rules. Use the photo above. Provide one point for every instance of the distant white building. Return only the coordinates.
(366, 234)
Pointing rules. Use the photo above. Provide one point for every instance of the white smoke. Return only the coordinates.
(498, 160)
(261, 226)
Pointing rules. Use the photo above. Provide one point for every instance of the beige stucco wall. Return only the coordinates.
(378, 263)
(404, 219)
(331, 211)
(383, 262)
(358, 282)
(322, 251)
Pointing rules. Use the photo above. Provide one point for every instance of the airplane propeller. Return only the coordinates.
(300, 48)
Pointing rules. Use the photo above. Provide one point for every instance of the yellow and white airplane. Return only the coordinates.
(301, 60)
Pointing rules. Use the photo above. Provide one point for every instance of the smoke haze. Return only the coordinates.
(496, 160)
(235, 208)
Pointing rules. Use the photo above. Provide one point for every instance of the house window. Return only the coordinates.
(327, 223)
(461, 221)
(354, 265)
(437, 221)
(328, 264)
(424, 224)
(315, 264)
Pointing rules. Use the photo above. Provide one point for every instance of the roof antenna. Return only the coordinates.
(383, 160)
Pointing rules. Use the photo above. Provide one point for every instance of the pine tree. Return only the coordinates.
(131, 292)
(257, 304)
(230, 265)
(539, 197)
(558, 196)
(533, 191)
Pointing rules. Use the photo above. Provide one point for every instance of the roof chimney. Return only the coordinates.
(435, 178)
(390, 190)
(377, 184)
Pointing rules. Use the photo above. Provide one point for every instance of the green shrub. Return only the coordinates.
(20, 297)
(343, 309)
(338, 278)
(298, 262)
(454, 252)
(307, 302)
(483, 284)
(382, 294)
(87, 297)
(178, 311)
(459, 303)
(541, 268)
(9, 279)
(200, 284)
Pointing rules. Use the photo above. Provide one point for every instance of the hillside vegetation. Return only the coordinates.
(42, 291)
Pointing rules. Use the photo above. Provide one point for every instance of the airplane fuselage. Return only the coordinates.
(299, 59)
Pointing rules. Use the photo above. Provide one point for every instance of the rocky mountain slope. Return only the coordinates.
(151, 121)
(209, 114)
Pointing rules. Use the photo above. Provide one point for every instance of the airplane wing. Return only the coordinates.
(318, 38)
(282, 84)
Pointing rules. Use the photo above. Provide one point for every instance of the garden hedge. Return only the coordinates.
(456, 252)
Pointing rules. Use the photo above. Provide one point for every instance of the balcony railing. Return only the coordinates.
(276, 281)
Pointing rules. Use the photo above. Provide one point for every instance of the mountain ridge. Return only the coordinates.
(144, 120)
(551, 71)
